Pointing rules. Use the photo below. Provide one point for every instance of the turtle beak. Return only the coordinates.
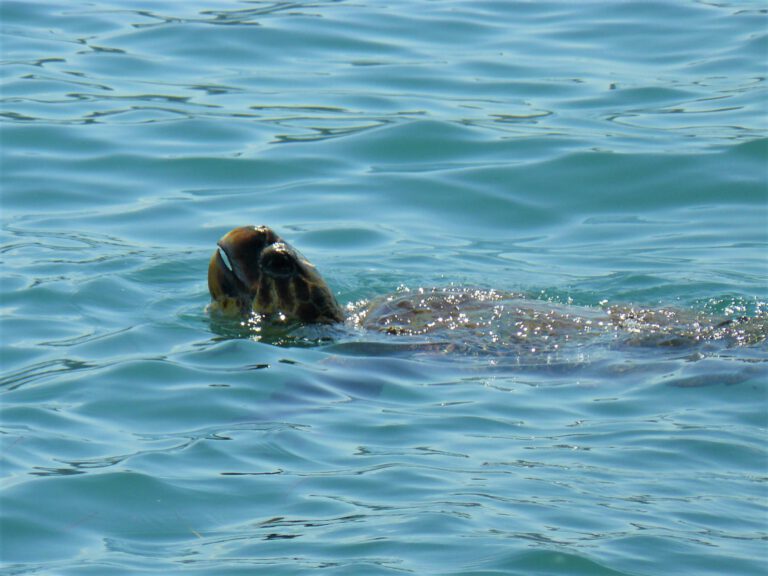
(234, 271)
(234, 266)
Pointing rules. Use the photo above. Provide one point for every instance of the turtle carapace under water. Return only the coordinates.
(254, 272)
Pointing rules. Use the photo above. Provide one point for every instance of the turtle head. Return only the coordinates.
(254, 270)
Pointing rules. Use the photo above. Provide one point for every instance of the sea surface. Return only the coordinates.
(581, 153)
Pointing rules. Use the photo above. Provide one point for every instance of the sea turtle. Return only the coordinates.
(254, 272)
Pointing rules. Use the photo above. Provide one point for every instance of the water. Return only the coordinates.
(577, 152)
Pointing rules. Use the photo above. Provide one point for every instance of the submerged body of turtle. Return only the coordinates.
(258, 277)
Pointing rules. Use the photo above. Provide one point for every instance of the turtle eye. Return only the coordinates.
(278, 262)
(225, 259)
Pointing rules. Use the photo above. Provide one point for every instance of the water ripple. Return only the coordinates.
(587, 154)
(42, 371)
(614, 99)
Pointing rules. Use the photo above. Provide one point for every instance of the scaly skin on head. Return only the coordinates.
(254, 270)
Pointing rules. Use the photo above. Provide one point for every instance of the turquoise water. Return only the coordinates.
(578, 152)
